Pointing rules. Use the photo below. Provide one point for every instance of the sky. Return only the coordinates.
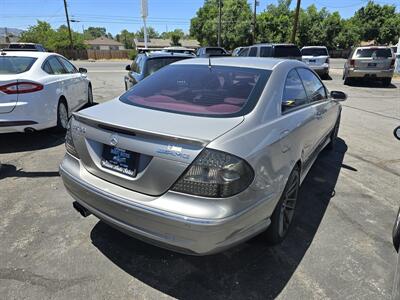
(116, 15)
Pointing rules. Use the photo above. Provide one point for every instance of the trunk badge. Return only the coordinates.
(114, 140)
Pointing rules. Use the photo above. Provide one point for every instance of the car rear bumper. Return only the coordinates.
(371, 73)
(320, 69)
(27, 114)
(196, 236)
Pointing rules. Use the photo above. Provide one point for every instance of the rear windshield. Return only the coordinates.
(215, 51)
(198, 90)
(314, 52)
(154, 64)
(287, 51)
(21, 46)
(374, 52)
(15, 64)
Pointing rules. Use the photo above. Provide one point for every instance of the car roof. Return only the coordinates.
(162, 54)
(318, 47)
(264, 63)
(36, 54)
(273, 44)
(373, 47)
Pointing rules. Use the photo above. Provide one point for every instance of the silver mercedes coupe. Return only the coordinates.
(203, 154)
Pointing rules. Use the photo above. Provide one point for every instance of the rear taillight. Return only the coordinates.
(215, 174)
(21, 87)
(352, 63)
(69, 142)
(392, 62)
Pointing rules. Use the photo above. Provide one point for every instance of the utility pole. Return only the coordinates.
(145, 13)
(296, 21)
(256, 3)
(69, 26)
(219, 22)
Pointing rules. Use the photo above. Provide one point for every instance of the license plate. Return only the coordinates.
(371, 64)
(312, 60)
(119, 160)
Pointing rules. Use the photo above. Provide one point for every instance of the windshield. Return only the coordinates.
(314, 52)
(374, 52)
(198, 90)
(215, 51)
(15, 64)
(154, 64)
(287, 51)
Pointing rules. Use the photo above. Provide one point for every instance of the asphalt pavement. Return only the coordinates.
(339, 247)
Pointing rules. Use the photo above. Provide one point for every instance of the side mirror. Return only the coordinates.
(82, 70)
(396, 132)
(128, 67)
(338, 95)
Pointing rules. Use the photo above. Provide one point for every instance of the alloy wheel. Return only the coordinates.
(63, 115)
(288, 204)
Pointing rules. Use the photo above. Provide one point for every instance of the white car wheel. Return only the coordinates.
(62, 116)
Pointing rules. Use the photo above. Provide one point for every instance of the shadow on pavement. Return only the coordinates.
(372, 84)
(7, 170)
(20, 142)
(250, 270)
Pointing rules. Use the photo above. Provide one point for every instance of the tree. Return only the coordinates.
(168, 34)
(275, 23)
(378, 22)
(151, 33)
(42, 33)
(236, 23)
(126, 38)
(95, 32)
(175, 39)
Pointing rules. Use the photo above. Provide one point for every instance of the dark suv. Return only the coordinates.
(272, 50)
(147, 63)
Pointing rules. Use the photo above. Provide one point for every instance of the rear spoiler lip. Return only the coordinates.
(138, 132)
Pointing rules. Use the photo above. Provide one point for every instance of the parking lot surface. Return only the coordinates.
(339, 246)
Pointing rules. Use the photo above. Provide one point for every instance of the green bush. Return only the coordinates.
(132, 54)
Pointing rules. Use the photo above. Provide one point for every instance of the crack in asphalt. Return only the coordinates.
(50, 284)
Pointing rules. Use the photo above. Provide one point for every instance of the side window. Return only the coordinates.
(47, 68)
(294, 94)
(253, 51)
(265, 52)
(56, 66)
(136, 65)
(244, 52)
(67, 65)
(314, 88)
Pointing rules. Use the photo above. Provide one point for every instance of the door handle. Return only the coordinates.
(284, 146)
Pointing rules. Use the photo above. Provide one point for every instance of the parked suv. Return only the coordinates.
(317, 58)
(373, 62)
(272, 50)
(147, 63)
(26, 47)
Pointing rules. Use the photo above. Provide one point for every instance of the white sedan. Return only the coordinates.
(39, 90)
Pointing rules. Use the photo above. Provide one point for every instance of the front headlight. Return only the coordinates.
(215, 174)
(69, 143)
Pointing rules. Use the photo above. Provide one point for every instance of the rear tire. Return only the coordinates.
(348, 81)
(90, 96)
(386, 81)
(283, 214)
(333, 135)
(62, 116)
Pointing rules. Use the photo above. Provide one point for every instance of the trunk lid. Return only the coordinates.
(372, 63)
(162, 144)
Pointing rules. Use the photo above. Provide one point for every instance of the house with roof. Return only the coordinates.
(104, 43)
(158, 44)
